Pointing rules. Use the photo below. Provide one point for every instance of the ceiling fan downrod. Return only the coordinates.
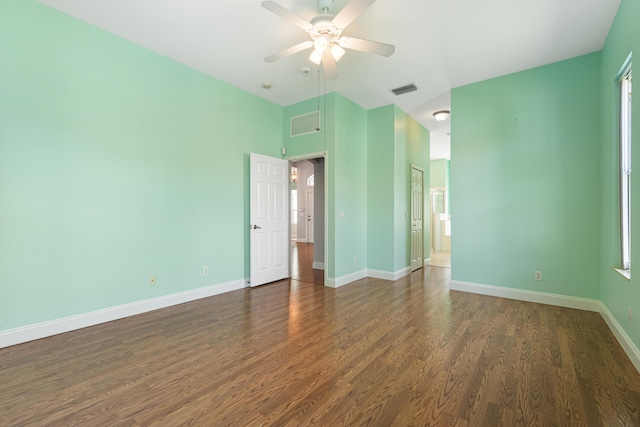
(325, 5)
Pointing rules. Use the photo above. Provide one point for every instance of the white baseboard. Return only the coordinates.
(66, 324)
(376, 274)
(380, 274)
(625, 342)
(301, 240)
(318, 265)
(346, 279)
(389, 275)
(524, 295)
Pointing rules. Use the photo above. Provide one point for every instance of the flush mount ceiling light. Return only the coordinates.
(441, 115)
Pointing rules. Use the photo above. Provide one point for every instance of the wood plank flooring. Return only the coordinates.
(374, 352)
(440, 259)
(302, 264)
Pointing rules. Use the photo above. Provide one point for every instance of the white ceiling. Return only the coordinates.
(439, 44)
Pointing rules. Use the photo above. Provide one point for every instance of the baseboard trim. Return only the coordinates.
(625, 342)
(346, 279)
(299, 240)
(525, 295)
(389, 275)
(318, 265)
(66, 324)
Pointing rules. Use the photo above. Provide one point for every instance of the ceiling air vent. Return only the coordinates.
(404, 89)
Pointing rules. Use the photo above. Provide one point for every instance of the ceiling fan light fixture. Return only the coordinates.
(316, 57)
(321, 43)
(325, 32)
(441, 115)
(337, 52)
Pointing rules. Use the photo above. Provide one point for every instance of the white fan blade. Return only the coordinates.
(329, 65)
(350, 12)
(289, 51)
(367, 46)
(288, 15)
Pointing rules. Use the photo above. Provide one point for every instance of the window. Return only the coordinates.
(310, 181)
(624, 83)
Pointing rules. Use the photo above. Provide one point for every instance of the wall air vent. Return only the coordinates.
(404, 89)
(305, 123)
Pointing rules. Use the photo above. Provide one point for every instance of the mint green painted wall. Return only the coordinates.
(525, 188)
(350, 187)
(344, 137)
(439, 173)
(370, 154)
(616, 292)
(380, 188)
(323, 141)
(411, 146)
(115, 163)
(314, 142)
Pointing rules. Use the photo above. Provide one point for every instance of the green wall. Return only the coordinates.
(439, 173)
(350, 187)
(381, 185)
(115, 163)
(316, 142)
(370, 154)
(343, 136)
(616, 292)
(396, 141)
(411, 146)
(525, 187)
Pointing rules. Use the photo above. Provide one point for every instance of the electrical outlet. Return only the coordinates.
(630, 314)
(355, 259)
(205, 271)
(537, 275)
(152, 280)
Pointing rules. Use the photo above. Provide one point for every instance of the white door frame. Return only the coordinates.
(325, 156)
(422, 255)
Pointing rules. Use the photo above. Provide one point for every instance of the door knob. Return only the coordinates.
(254, 227)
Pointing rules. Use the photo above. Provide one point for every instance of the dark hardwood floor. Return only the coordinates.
(292, 353)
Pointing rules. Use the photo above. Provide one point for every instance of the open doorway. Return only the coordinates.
(440, 255)
(307, 220)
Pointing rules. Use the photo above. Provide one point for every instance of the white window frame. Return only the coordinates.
(624, 141)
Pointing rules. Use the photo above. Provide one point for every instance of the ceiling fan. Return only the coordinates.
(326, 34)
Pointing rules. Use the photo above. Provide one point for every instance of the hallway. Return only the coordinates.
(302, 262)
(440, 259)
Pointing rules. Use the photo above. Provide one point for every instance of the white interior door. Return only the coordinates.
(310, 219)
(269, 216)
(417, 208)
